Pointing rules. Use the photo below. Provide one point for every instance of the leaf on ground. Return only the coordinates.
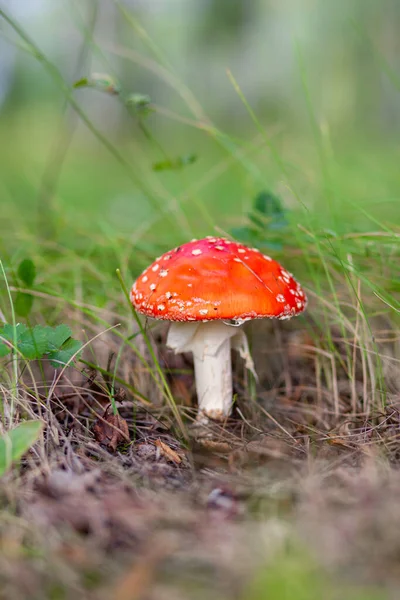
(16, 442)
(111, 430)
(27, 271)
(168, 453)
(71, 348)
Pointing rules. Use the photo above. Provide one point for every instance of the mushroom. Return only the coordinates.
(205, 287)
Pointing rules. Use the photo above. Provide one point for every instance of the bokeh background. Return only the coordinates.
(300, 98)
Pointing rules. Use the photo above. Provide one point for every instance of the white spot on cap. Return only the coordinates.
(265, 256)
(219, 247)
(163, 273)
(194, 240)
(191, 318)
(168, 295)
(299, 304)
(196, 252)
(167, 257)
(203, 311)
(144, 279)
(153, 287)
(241, 250)
(301, 293)
(237, 260)
(280, 298)
(161, 307)
(155, 268)
(190, 284)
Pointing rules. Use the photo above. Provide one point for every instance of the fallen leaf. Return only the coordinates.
(168, 453)
(110, 430)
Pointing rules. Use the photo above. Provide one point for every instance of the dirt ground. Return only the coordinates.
(304, 473)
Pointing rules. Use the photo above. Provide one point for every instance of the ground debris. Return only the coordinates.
(169, 453)
(111, 429)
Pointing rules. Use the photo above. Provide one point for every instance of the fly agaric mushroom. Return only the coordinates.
(204, 287)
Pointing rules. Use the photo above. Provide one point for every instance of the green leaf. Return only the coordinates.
(23, 304)
(27, 271)
(140, 103)
(11, 333)
(245, 235)
(16, 442)
(99, 81)
(64, 355)
(268, 204)
(4, 348)
(175, 164)
(33, 342)
(55, 343)
(57, 336)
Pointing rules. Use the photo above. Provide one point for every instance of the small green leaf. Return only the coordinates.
(57, 336)
(99, 81)
(175, 164)
(33, 342)
(55, 343)
(23, 304)
(140, 103)
(245, 235)
(11, 333)
(83, 82)
(16, 442)
(4, 348)
(268, 204)
(27, 271)
(64, 355)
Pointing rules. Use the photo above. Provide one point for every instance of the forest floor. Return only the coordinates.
(294, 496)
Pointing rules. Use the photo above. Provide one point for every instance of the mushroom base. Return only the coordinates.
(211, 345)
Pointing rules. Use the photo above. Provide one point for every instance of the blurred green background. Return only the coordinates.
(296, 97)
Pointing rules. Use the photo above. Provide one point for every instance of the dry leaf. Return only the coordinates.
(110, 430)
(168, 453)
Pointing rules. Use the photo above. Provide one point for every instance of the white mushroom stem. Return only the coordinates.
(211, 345)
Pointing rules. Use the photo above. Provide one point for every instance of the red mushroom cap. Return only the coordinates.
(215, 278)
